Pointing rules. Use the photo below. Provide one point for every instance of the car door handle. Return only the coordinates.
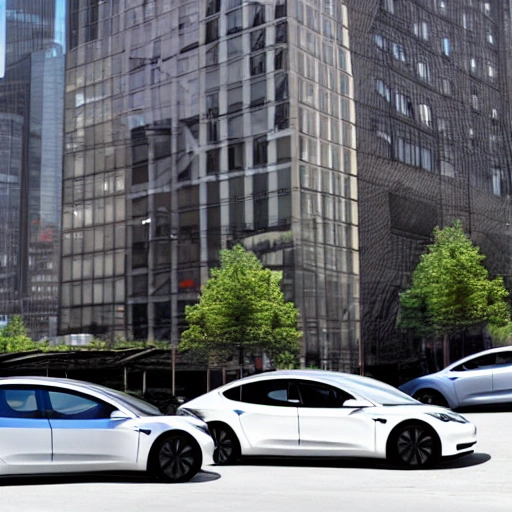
(379, 420)
(146, 431)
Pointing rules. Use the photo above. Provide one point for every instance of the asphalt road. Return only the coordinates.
(480, 482)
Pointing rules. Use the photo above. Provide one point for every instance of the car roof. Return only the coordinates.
(49, 381)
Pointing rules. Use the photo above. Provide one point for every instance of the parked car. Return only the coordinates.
(480, 379)
(52, 425)
(327, 414)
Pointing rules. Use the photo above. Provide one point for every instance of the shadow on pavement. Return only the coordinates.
(101, 478)
(462, 462)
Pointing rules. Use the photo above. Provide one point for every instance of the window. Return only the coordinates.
(212, 104)
(236, 156)
(398, 52)
(283, 149)
(478, 363)
(389, 5)
(258, 92)
(258, 39)
(91, 20)
(280, 9)
(446, 46)
(257, 14)
(269, 392)
(280, 58)
(317, 395)
(235, 99)
(281, 86)
(282, 32)
(421, 30)
(474, 101)
(496, 181)
(425, 115)
(383, 90)
(258, 64)
(443, 126)
(486, 8)
(446, 86)
(235, 47)
(212, 30)
(403, 105)
(235, 21)
(260, 151)
(491, 73)
(234, 393)
(213, 161)
(212, 55)
(282, 116)
(414, 154)
(423, 71)
(18, 402)
(212, 7)
(381, 42)
(472, 65)
(70, 406)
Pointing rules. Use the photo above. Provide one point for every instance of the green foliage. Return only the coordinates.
(242, 307)
(451, 289)
(96, 344)
(501, 335)
(13, 337)
(286, 361)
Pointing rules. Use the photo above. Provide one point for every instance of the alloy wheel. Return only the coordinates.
(226, 447)
(179, 458)
(415, 447)
(431, 398)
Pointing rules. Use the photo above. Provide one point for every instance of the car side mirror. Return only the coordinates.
(119, 415)
(356, 403)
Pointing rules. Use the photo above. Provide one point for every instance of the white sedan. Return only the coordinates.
(318, 413)
(61, 425)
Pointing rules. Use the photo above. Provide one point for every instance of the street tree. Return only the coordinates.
(451, 290)
(242, 311)
(14, 338)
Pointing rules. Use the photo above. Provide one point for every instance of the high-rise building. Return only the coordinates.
(194, 125)
(31, 120)
(432, 83)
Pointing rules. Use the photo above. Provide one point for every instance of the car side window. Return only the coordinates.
(504, 358)
(234, 393)
(478, 363)
(314, 394)
(18, 403)
(268, 392)
(71, 406)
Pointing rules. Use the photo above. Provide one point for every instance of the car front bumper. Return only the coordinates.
(459, 439)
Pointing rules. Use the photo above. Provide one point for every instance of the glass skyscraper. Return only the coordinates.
(31, 119)
(194, 125)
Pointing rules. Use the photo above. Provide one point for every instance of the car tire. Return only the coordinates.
(431, 397)
(177, 457)
(414, 446)
(227, 447)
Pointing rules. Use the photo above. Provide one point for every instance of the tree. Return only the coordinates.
(451, 289)
(242, 310)
(13, 337)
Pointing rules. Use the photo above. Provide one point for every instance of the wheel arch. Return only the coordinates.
(227, 425)
(433, 390)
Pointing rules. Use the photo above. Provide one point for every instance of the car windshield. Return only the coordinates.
(135, 405)
(378, 392)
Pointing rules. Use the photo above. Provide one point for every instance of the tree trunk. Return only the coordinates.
(446, 350)
(241, 360)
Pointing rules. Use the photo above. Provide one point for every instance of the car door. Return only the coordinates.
(473, 380)
(268, 417)
(25, 435)
(502, 377)
(84, 436)
(326, 427)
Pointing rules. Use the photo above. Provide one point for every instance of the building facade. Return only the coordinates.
(433, 114)
(31, 119)
(195, 125)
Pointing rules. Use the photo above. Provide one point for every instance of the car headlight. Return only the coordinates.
(191, 413)
(448, 416)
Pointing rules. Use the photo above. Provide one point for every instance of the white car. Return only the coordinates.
(484, 378)
(319, 413)
(52, 425)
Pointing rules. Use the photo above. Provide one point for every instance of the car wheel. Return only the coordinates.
(431, 397)
(414, 445)
(178, 458)
(227, 447)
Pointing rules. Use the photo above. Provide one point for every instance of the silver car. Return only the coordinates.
(61, 425)
(480, 379)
